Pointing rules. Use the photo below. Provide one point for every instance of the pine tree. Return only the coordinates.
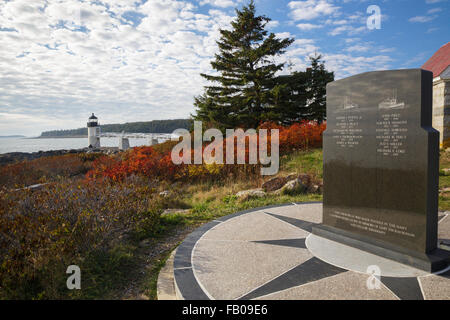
(317, 77)
(291, 98)
(245, 86)
(302, 94)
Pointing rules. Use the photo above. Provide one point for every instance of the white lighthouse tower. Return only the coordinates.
(93, 132)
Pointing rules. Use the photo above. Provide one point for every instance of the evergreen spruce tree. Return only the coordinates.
(302, 94)
(245, 87)
(317, 78)
(291, 97)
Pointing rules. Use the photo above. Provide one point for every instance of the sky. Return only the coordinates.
(138, 60)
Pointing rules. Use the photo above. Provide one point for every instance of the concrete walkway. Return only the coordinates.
(269, 253)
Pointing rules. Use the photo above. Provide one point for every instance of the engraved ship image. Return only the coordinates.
(348, 104)
(391, 102)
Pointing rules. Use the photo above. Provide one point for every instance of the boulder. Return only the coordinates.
(305, 179)
(320, 191)
(291, 176)
(294, 187)
(274, 184)
(252, 193)
(313, 188)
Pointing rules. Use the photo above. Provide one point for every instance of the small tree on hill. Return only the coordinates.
(245, 86)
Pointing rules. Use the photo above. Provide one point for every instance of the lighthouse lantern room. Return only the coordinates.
(93, 132)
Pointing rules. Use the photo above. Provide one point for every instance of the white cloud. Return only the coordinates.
(297, 54)
(57, 68)
(435, 10)
(387, 50)
(345, 65)
(272, 24)
(311, 9)
(431, 30)
(49, 63)
(340, 22)
(351, 40)
(282, 35)
(358, 48)
(350, 30)
(422, 19)
(218, 3)
(308, 26)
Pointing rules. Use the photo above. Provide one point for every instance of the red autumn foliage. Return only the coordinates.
(156, 162)
(145, 161)
(301, 136)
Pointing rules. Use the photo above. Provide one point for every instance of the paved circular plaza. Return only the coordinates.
(269, 253)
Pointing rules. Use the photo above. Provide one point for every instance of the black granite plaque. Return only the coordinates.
(381, 164)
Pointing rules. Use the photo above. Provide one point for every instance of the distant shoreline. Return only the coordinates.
(11, 137)
(85, 137)
(60, 137)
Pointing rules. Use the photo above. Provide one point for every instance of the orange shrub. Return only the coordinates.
(299, 136)
(156, 162)
(144, 161)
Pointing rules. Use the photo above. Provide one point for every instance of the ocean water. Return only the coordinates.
(34, 145)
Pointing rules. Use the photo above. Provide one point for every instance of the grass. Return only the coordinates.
(303, 162)
(444, 180)
(206, 211)
(105, 273)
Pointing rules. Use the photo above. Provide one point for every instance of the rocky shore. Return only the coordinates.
(12, 157)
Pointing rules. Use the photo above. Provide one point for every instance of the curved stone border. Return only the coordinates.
(186, 285)
(165, 287)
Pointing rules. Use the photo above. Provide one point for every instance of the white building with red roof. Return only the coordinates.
(439, 64)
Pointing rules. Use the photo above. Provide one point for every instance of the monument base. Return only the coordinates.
(434, 261)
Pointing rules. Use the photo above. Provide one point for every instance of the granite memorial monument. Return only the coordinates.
(381, 164)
